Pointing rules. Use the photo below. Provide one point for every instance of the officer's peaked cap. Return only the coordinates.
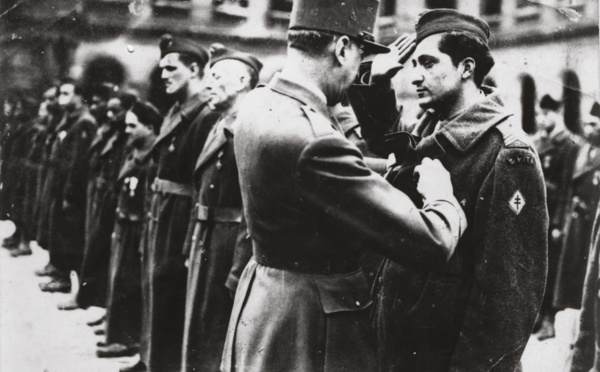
(220, 53)
(354, 18)
(168, 44)
(438, 21)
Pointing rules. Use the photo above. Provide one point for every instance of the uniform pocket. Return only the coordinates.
(349, 343)
(348, 292)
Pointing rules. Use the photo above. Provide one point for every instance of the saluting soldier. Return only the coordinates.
(218, 243)
(67, 177)
(176, 149)
(312, 206)
(558, 149)
(475, 312)
(124, 298)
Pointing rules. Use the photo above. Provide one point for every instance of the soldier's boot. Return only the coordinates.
(23, 250)
(117, 350)
(138, 367)
(547, 329)
(49, 270)
(12, 242)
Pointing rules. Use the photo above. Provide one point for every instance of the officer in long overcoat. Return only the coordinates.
(218, 243)
(124, 297)
(175, 151)
(586, 350)
(94, 269)
(312, 205)
(67, 178)
(577, 230)
(476, 312)
(558, 150)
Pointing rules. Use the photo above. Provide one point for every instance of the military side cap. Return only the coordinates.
(438, 21)
(170, 45)
(220, 53)
(354, 18)
(549, 103)
(595, 109)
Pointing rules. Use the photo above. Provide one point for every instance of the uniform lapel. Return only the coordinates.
(215, 141)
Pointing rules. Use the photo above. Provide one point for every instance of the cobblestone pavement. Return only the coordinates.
(37, 337)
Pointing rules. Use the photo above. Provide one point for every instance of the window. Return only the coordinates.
(528, 102)
(432, 4)
(233, 8)
(387, 8)
(490, 7)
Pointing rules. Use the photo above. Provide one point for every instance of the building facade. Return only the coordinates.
(544, 44)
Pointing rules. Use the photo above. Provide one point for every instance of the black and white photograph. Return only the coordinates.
(300, 186)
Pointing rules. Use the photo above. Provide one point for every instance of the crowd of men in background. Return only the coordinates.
(148, 209)
(114, 191)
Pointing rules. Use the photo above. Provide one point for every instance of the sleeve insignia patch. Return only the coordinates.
(517, 202)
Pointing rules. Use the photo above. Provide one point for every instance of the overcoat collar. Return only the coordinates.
(217, 138)
(307, 95)
(469, 126)
(110, 144)
(69, 118)
(178, 113)
(138, 155)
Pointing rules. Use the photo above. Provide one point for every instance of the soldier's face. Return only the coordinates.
(227, 79)
(114, 110)
(51, 101)
(134, 127)
(591, 129)
(547, 119)
(434, 76)
(98, 107)
(66, 94)
(175, 74)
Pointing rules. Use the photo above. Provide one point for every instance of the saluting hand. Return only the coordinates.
(433, 180)
(387, 65)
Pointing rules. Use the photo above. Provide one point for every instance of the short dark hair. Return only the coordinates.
(549, 103)
(253, 76)
(313, 43)
(460, 45)
(189, 58)
(70, 81)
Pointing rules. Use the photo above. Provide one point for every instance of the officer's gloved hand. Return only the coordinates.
(433, 181)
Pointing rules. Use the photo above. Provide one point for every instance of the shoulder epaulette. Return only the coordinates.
(513, 137)
(319, 124)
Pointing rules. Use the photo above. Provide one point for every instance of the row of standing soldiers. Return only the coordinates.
(145, 210)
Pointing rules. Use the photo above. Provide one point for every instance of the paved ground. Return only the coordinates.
(37, 337)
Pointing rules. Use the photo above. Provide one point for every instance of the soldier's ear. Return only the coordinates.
(468, 66)
(341, 46)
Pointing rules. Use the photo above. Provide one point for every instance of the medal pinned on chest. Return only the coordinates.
(172, 145)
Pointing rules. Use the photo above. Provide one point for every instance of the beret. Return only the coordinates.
(354, 18)
(220, 53)
(170, 45)
(437, 21)
(147, 114)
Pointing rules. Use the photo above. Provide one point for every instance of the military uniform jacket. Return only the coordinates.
(311, 206)
(586, 351)
(476, 313)
(68, 161)
(175, 151)
(577, 228)
(219, 249)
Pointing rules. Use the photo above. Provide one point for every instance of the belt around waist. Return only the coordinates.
(169, 187)
(312, 266)
(218, 214)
